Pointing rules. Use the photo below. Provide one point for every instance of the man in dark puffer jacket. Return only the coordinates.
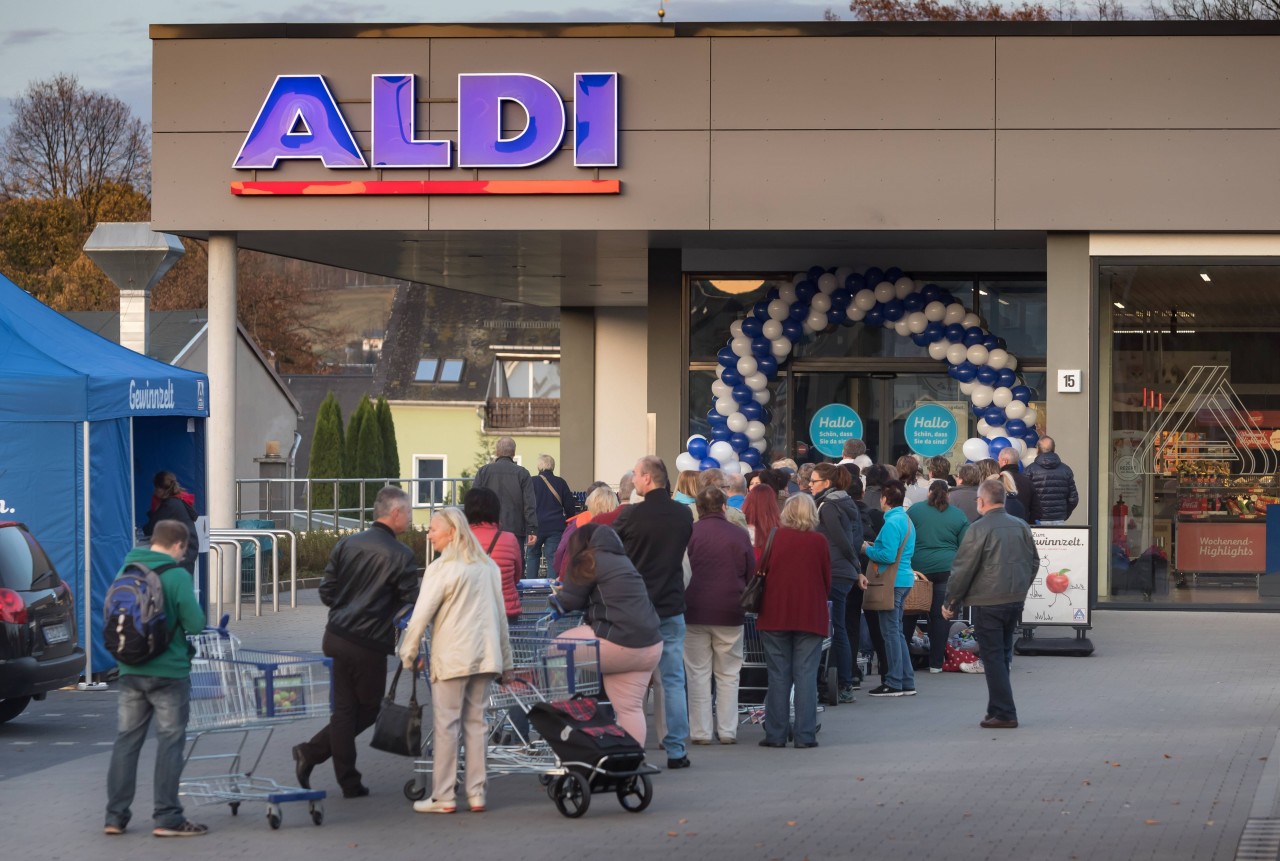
(1055, 483)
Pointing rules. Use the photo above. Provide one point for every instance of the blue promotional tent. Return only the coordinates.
(84, 425)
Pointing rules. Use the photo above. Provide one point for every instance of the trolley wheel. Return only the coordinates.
(273, 819)
(544, 779)
(317, 816)
(413, 792)
(832, 697)
(635, 793)
(235, 808)
(573, 795)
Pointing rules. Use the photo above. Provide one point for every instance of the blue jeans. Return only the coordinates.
(791, 659)
(994, 627)
(141, 698)
(900, 674)
(840, 646)
(671, 671)
(544, 548)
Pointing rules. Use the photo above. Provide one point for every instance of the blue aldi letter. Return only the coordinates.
(299, 119)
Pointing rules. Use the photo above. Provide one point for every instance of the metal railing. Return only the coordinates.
(304, 504)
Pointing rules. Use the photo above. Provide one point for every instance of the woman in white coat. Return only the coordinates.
(461, 599)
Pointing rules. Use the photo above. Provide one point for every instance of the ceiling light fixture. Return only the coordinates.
(1204, 276)
(736, 287)
(1119, 305)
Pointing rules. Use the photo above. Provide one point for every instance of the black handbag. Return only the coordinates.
(753, 594)
(398, 728)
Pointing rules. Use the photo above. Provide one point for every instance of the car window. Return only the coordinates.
(21, 559)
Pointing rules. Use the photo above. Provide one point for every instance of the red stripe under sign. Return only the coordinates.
(494, 186)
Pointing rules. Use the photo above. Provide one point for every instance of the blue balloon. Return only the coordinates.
(816, 272)
(731, 377)
(933, 331)
(840, 298)
(1006, 378)
(715, 419)
(727, 357)
(997, 445)
(1002, 344)
(799, 310)
(954, 333)
(893, 310)
(978, 411)
(743, 393)
(750, 456)
(874, 317)
(751, 327)
(806, 290)
(893, 273)
(761, 346)
(951, 372)
(751, 411)
(759, 312)
(709, 463)
(836, 316)
(947, 299)
(766, 414)
(920, 339)
(994, 416)
(986, 375)
(771, 295)
(991, 342)
(965, 372)
(972, 336)
(1031, 438)
(930, 293)
(1021, 393)
(767, 365)
(792, 329)
(698, 447)
(874, 276)
(739, 442)
(855, 282)
(913, 302)
(1015, 427)
(721, 433)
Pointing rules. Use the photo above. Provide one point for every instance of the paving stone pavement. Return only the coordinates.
(1154, 748)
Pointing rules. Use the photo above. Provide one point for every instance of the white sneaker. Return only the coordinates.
(476, 802)
(430, 805)
(935, 669)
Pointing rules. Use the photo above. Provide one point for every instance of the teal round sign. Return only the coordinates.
(831, 426)
(931, 430)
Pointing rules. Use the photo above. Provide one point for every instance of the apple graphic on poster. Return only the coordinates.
(1057, 582)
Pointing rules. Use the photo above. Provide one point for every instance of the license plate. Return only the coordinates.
(56, 634)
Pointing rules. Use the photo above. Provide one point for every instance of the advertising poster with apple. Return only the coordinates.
(1059, 593)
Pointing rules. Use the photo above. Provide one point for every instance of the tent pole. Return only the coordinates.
(88, 684)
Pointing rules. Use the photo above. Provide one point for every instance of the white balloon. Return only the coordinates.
(983, 428)
(760, 445)
(756, 430)
(993, 432)
(800, 276)
(956, 353)
(741, 346)
(686, 461)
(978, 355)
(864, 300)
(997, 359)
(690, 440)
(935, 311)
(917, 322)
(854, 314)
(735, 329)
(821, 302)
(971, 319)
(981, 396)
(721, 451)
(726, 406)
(842, 275)
(974, 449)
(1031, 417)
(1029, 456)
(901, 327)
(747, 366)
(826, 283)
(744, 467)
(762, 397)
(772, 329)
(737, 423)
(967, 388)
(779, 310)
(780, 347)
(817, 322)
(721, 389)
(903, 287)
(938, 350)
(756, 381)
(955, 313)
(885, 291)
(1001, 398)
(1015, 410)
(1018, 443)
(787, 293)
(1012, 363)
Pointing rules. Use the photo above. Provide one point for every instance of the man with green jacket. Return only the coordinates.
(159, 688)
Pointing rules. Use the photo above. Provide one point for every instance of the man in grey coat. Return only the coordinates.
(992, 572)
(511, 481)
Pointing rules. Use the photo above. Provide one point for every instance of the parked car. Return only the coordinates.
(40, 647)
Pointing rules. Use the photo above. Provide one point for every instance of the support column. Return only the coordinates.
(668, 382)
(221, 428)
(1071, 344)
(577, 396)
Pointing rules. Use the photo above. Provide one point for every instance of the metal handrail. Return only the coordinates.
(216, 545)
(305, 508)
(276, 534)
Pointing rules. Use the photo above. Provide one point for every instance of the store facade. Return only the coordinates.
(1100, 196)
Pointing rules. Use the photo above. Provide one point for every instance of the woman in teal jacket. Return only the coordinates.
(897, 532)
(940, 527)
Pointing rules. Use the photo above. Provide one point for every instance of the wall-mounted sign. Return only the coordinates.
(1070, 381)
(931, 430)
(1059, 593)
(301, 119)
(831, 426)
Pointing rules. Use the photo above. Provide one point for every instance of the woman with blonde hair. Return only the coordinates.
(461, 600)
(600, 500)
(916, 484)
(686, 487)
(987, 468)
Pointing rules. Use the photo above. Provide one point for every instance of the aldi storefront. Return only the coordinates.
(947, 237)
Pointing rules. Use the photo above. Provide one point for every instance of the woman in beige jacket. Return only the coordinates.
(461, 599)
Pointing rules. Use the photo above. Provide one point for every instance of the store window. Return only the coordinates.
(1195, 428)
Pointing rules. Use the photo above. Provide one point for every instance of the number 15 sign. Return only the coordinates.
(1070, 381)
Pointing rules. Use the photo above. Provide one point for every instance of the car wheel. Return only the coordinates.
(11, 708)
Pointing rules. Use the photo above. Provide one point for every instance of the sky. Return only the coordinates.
(104, 42)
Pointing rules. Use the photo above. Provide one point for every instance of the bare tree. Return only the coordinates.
(71, 143)
(1215, 10)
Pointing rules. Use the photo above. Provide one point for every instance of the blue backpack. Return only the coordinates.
(135, 628)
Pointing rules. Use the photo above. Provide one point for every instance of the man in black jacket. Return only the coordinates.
(518, 511)
(1055, 483)
(370, 576)
(656, 532)
(1028, 504)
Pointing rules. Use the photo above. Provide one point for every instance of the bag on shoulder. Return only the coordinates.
(135, 628)
(753, 594)
(880, 579)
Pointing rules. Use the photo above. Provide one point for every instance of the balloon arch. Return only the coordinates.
(761, 341)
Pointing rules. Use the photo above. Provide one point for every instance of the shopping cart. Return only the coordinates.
(239, 694)
(754, 679)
